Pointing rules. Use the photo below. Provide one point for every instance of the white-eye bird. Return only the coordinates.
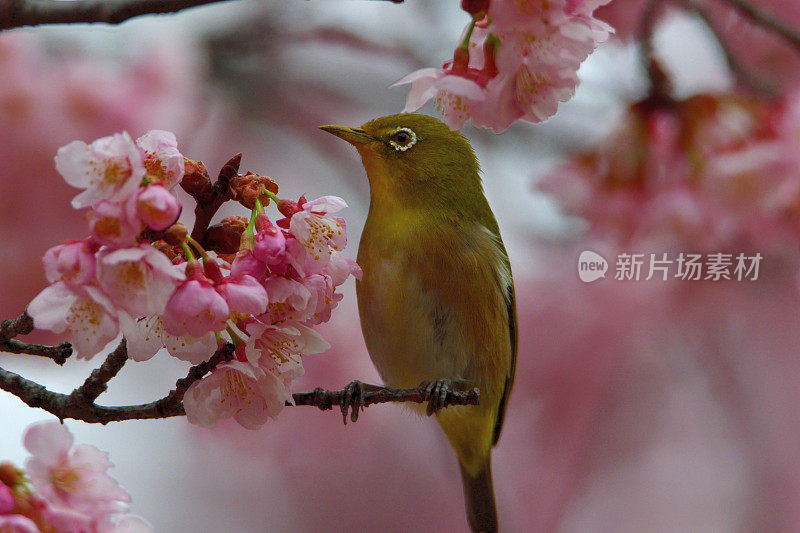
(436, 300)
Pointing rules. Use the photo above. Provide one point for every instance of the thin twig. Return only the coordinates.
(16, 13)
(205, 210)
(22, 325)
(762, 19)
(96, 383)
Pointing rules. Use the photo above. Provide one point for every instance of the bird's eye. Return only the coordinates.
(402, 139)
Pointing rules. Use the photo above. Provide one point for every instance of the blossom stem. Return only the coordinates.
(187, 251)
(272, 196)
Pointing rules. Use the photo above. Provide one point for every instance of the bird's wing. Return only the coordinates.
(511, 309)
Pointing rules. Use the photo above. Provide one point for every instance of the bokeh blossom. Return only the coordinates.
(518, 63)
(64, 488)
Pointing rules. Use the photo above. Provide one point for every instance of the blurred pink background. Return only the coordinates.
(639, 406)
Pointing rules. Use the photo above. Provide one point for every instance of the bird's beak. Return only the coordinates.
(355, 136)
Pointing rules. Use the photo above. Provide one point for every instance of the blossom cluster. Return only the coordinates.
(713, 172)
(137, 275)
(517, 61)
(64, 488)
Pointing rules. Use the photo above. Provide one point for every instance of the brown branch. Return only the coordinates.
(22, 325)
(757, 16)
(326, 399)
(209, 204)
(95, 384)
(77, 405)
(80, 406)
(16, 13)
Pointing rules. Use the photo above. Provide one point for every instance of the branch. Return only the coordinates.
(22, 325)
(80, 403)
(762, 19)
(16, 13)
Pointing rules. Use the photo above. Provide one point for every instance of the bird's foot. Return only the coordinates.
(436, 393)
(353, 399)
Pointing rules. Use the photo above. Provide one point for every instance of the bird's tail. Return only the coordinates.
(479, 499)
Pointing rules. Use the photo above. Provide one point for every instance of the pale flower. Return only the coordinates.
(157, 207)
(110, 168)
(115, 224)
(16, 523)
(278, 349)
(146, 336)
(163, 162)
(195, 308)
(85, 314)
(73, 263)
(316, 234)
(140, 280)
(71, 477)
(235, 389)
(518, 64)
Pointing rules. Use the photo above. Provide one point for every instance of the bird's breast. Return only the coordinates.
(431, 304)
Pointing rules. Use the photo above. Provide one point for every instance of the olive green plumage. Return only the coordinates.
(436, 299)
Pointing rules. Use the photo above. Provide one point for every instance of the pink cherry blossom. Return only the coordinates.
(139, 280)
(518, 65)
(16, 523)
(270, 244)
(195, 308)
(127, 523)
(235, 389)
(71, 477)
(6, 499)
(278, 349)
(73, 263)
(244, 294)
(146, 336)
(115, 224)
(316, 234)
(245, 262)
(109, 169)
(163, 162)
(85, 314)
(157, 207)
(289, 300)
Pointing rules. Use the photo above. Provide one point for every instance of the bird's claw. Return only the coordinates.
(352, 397)
(437, 393)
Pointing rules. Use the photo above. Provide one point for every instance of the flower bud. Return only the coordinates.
(246, 189)
(226, 236)
(73, 262)
(196, 182)
(10, 475)
(157, 207)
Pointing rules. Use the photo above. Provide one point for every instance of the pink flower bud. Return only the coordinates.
(114, 225)
(195, 308)
(270, 246)
(157, 207)
(73, 263)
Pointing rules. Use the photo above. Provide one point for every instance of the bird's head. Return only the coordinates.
(411, 158)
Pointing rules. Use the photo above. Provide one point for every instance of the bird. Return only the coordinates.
(436, 300)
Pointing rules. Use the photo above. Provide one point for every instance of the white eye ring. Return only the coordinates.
(403, 147)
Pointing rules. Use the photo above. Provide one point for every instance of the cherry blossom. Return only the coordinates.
(71, 477)
(195, 308)
(517, 64)
(85, 314)
(139, 280)
(115, 224)
(146, 336)
(157, 207)
(73, 262)
(163, 162)
(109, 169)
(235, 389)
(315, 234)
